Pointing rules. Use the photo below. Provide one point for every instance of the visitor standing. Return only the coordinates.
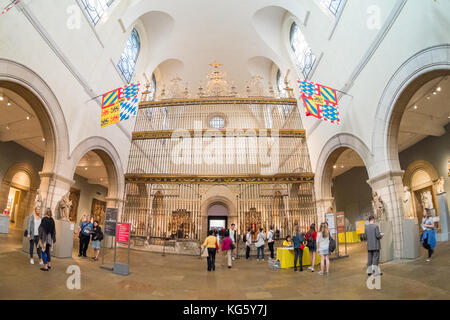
(270, 241)
(373, 236)
(85, 236)
(260, 244)
(227, 244)
(311, 238)
(211, 245)
(34, 221)
(233, 236)
(47, 238)
(323, 247)
(248, 242)
(297, 241)
(97, 237)
(429, 236)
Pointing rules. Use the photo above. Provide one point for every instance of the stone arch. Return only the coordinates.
(28, 198)
(26, 83)
(111, 159)
(330, 153)
(422, 67)
(416, 166)
(324, 168)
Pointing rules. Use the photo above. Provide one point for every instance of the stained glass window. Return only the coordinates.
(127, 62)
(332, 5)
(96, 8)
(304, 57)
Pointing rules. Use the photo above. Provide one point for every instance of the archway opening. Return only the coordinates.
(27, 146)
(217, 216)
(420, 135)
(92, 185)
(345, 181)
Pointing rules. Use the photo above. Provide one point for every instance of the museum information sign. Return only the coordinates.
(123, 233)
(110, 221)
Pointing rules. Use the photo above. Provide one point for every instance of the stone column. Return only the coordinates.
(322, 207)
(389, 186)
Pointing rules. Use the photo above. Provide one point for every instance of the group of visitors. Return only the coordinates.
(42, 235)
(225, 242)
(89, 229)
(259, 244)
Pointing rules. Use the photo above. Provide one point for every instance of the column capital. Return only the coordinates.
(52, 175)
(385, 175)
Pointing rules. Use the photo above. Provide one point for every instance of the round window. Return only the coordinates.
(217, 122)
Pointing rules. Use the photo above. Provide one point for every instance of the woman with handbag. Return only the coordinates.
(429, 236)
(211, 245)
(97, 237)
(323, 247)
(47, 238)
(311, 238)
(32, 233)
(227, 246)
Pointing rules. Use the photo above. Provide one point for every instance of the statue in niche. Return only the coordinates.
(427, 202)
(378, 207)
(38, 200)
(440, 186)
(407, 205)
(65, 204)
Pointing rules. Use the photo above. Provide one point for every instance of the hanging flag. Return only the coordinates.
(320, 101)
(10, 6)
(119, 104)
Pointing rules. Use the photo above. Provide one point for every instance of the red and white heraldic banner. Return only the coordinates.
(123, 233)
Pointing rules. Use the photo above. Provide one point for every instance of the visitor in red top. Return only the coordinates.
(227, 246)
(311, 237)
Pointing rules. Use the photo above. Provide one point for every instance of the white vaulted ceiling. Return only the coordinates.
(427, 114)
(193, 34)
(14, 125)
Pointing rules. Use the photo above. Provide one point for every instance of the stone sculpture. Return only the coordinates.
(440, 186)
(427, 202)
(378, 207)
(407, 205)
(64, 207)
(38, 200)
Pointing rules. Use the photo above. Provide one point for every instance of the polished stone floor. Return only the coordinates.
(154, 276)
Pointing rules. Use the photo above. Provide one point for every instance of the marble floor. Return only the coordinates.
(154, 276)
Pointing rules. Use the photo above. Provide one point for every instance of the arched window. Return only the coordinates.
(95, 9)
(304, 57)
(127, 62)
(332, 5)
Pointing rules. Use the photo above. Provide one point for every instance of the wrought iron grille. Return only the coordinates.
(304, 56)
(332, 5)
(96, 9)
(127, 62)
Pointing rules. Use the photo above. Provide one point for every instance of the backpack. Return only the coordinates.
(310, 241)
(332, 245)
(244, 238)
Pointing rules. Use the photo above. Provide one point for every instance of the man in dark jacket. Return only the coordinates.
(298, 251)
(373, 236)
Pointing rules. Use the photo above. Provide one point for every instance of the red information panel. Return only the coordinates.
(123, 233)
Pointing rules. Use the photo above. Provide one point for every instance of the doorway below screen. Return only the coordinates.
(218, 223)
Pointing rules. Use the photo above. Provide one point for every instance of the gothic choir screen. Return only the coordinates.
(252, 148)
